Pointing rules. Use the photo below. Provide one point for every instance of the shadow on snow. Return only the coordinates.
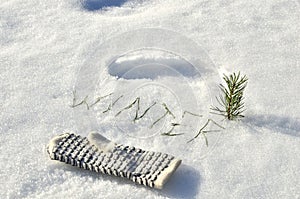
(185, 183)
(285, 125)
(93, 5)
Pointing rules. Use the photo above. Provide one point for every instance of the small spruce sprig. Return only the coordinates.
(231, 99)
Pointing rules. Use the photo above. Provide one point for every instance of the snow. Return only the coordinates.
(150, 63)
(96, 47)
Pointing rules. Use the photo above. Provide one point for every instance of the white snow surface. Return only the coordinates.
(45, 47)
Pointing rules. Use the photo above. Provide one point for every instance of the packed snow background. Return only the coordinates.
(46, 44)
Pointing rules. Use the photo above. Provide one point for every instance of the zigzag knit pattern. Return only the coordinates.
(144, 167)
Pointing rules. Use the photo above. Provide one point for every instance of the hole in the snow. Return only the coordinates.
(93, 5)
(151, 64)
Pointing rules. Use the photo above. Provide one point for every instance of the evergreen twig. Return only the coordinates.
(231, 100)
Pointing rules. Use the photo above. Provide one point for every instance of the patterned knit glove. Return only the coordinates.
(96, 153)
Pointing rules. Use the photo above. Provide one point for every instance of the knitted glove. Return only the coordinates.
(96, 153)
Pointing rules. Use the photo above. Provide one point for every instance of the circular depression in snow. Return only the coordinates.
(151, 64)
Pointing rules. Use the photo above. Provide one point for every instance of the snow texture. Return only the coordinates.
(163, 51)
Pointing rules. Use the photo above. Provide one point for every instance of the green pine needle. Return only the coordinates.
(231, 99)
(84, 101)
(203, 132)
